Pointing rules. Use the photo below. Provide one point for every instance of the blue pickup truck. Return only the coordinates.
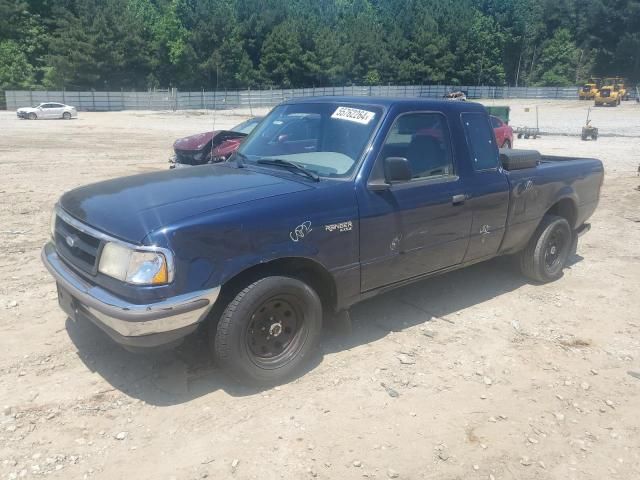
(363, 195)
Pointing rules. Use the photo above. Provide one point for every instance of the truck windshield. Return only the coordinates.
(325, 138)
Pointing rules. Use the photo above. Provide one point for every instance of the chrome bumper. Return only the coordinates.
(124, 318)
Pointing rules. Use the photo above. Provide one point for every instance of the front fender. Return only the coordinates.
(316, 224)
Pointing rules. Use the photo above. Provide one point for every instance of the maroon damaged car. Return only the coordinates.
(210, 147)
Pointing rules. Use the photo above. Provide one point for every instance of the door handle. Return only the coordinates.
(458, 199)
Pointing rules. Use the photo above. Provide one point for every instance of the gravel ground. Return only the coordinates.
(476, 374)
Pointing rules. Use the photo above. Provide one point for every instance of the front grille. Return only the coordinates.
(77, 247)
(191, 158)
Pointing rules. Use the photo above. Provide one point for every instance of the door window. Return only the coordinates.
(423, 139)
(480, 139)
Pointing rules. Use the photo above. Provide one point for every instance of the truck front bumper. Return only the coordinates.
(129, 324)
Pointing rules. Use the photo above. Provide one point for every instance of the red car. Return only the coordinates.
(210, 147)
(503, 132)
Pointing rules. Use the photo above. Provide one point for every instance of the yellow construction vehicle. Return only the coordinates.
(618, 84)
(611, 92)
(607, 96)
(622, 89)
(589, 90)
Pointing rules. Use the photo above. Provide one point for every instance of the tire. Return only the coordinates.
(245, 340)
(66, 116)
(594, 136)
(32, 116)
(506, 144)
(544, 258)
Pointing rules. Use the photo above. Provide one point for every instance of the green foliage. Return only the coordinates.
(558, 62)
(281, 58)
(15, 70)
(230, 44)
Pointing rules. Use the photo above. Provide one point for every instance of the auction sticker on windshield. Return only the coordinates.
(353, 115)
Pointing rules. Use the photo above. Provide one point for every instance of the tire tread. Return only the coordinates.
(528, 258)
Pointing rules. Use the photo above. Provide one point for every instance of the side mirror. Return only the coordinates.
(397, 170)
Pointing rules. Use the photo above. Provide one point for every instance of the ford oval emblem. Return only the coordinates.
(71, 240)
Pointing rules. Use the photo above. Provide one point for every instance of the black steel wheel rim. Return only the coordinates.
(275, 332)
(555, 249)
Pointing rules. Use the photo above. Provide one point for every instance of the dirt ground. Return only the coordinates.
(476, 374)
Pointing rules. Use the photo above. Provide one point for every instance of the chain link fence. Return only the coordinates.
(173, 99)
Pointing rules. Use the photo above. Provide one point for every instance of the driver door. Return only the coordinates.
(420, 226)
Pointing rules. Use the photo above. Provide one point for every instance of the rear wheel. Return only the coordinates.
(33, 116)
(546, 255)
(268, 330)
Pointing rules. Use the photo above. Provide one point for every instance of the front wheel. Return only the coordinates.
(66, 116)
(268, 330)
(33, 116)
(546, 255)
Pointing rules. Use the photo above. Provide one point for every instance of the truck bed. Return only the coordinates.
(571, 183)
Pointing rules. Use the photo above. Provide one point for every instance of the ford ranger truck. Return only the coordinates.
(371, 194)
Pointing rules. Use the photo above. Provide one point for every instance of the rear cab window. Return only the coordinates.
(481, 141)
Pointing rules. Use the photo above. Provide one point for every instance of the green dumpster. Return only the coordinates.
(501, 112)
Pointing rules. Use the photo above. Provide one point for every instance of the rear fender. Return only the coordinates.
(565, 204)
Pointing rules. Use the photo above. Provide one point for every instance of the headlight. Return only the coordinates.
(52, 225)
(135, 266)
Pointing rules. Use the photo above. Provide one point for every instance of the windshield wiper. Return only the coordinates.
(278, 162)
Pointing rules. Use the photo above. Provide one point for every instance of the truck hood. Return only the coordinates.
(195, 142)
(132, 207)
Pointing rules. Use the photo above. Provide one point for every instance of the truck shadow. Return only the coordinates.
(179, 375)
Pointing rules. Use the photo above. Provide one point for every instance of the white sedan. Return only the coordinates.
(48, 110)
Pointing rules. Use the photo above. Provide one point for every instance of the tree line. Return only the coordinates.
(230, 44)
